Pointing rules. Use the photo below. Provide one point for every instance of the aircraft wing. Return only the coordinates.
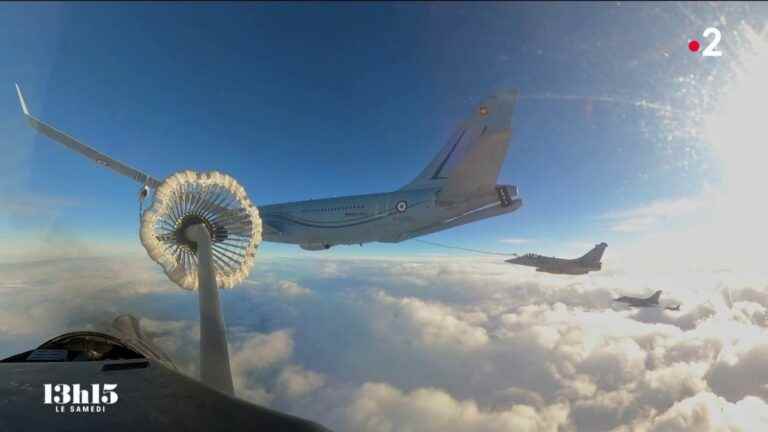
(98, 157)
(77, 146)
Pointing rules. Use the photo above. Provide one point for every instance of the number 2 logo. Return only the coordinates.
(711, 49)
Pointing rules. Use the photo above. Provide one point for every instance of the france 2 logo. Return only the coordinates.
(76, 399)
(711, 49)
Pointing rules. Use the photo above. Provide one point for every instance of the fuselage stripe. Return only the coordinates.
(317, 225)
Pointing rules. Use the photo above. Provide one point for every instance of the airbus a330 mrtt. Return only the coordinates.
(456, 188)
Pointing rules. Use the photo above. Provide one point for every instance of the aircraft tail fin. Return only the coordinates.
(472, 158)
(655, 297)
(595, 255)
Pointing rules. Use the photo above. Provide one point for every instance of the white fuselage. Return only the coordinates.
(384, 217)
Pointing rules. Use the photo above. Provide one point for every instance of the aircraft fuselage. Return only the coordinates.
(356, 219)
(637, 302)
(557, 265)
(577, 270)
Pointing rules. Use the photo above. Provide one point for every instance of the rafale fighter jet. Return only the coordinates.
(578, 266)
(118, 380)
(458, 187)
(652, 301)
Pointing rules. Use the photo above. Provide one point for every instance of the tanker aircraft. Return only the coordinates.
(457, 187)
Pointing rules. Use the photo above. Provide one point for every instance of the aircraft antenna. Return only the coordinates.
(203, 231)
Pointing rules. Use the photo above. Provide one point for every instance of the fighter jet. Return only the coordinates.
(118, 380)
(578, 266)
(652, 301)
(675, 308)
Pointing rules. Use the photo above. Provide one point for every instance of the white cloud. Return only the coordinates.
(515, 241)
(294, 381)
(262, 350)
(256, 352)
(433, 324)
(292, 289)
(651, 215)
(55, 295)
(743, 374)
(708, 412)
(286, 289)
(379, 407)
(473, 344)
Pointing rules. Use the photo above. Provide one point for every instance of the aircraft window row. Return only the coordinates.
(330, 209)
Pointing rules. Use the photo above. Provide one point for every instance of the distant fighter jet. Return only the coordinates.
(578, 266)
(651, 301)
(673, 308)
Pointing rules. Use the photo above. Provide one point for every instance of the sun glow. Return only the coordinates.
(736, 128)
(724, 117)
(736, 131)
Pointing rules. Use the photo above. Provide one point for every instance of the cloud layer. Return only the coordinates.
(440, 345)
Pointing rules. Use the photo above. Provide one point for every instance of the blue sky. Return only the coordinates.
(302, 101)
(620, 135)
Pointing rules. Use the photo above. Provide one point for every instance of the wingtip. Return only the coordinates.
(21, 100)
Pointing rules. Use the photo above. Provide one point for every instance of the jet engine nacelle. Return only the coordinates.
(315, 246)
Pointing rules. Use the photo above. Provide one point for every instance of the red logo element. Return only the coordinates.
(694, 45)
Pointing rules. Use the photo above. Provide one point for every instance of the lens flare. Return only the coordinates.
(736, 126)
(735, 130)
(725, 119)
